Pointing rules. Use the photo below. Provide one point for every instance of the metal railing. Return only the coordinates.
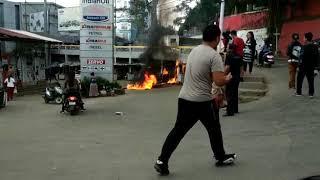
(128, 51)
(118, 48)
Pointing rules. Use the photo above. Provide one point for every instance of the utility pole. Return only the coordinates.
(222, 5)
(277, 34)
(46, 31)
(221, 15)
(114, 26)
(46, 17)
(25, 15)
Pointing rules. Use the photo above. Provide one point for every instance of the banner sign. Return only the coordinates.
(259, 34)
(69, 19)
(37, 22)
(96, 38)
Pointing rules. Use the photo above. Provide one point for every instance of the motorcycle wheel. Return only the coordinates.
(58, 100)
(46, 100)
(4, 103)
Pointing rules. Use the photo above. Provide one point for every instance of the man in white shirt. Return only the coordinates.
(204, 67)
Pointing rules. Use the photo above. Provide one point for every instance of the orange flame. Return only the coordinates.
(172, 81)
(149, 81)
(165, 71)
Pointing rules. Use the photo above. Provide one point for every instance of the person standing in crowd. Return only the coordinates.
(293, 52)
(249, 52)
(93, 92)
(10, 83)
(238, 43)
(309, 61)
(204, 67)
(226, 40)
(233, 65)
(239, 46)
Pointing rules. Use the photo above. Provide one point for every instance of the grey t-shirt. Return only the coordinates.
(202, 61)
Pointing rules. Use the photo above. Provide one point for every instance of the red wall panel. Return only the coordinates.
(253, 20)
(297, 27)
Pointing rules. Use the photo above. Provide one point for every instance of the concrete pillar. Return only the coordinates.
(46, 54)
(130, 63)
(66, 59)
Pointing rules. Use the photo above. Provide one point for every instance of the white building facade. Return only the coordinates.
(123, 20)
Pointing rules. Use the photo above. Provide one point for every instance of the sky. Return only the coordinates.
(66, 3)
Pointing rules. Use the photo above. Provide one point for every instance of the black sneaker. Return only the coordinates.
(161, 168)
(228, 159)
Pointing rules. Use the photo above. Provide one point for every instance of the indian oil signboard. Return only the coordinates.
(96, 38)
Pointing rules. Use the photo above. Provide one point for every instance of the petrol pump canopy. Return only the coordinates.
(15, 35)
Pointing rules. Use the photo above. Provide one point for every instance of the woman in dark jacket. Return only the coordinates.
(249, 52)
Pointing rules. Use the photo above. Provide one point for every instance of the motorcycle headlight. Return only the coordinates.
(58, 89)
(270, 56)
(48, 92)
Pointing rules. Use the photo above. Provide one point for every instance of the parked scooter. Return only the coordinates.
(266, 56)
(268, 59)
(54, 93)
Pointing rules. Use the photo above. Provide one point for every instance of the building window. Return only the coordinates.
(17, 14)
(1, 15)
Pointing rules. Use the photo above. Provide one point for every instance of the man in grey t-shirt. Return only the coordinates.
(204, 66)
(202, 62)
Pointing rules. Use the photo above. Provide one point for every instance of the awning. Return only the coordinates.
(14, 35)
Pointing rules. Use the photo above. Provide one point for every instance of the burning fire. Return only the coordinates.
(177, 70)
(172, 81)
(165, 71)
(149, 81)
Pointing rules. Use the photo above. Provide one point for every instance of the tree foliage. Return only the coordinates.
(139, 11)
(205, 12)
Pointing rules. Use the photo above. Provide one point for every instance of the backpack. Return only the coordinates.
(296, 52)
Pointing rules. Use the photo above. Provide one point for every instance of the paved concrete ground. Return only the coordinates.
(276, 138)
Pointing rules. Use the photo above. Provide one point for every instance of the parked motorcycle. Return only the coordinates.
(3, 93)
(3, 97)
(54, 93)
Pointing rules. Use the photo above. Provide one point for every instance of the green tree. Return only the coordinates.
(139, 11)
(205, 12)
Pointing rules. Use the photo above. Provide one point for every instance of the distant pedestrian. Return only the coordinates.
(309, 61)
(293, 52)
(249, 52)
(204, 66)
(233, 65)
(10, 83)
(93, 92)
